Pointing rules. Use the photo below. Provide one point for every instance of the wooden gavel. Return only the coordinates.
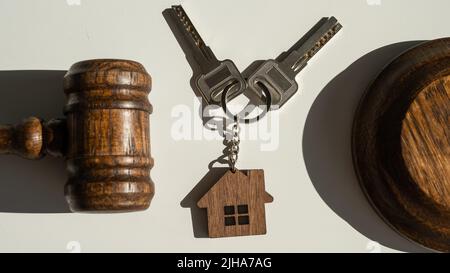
(105, 136)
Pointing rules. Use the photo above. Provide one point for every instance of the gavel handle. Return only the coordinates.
(33, 138)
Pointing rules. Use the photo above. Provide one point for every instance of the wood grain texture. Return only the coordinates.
(105, 136)
(401, 144)
(425, 142)
(108, 156)
(33, 138)
(235, 204)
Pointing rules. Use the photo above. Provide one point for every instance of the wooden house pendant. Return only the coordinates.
(235, 204)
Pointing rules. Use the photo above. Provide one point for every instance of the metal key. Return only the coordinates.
(279, 75)
(210, 76)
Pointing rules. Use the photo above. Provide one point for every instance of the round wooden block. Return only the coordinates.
(401, 144)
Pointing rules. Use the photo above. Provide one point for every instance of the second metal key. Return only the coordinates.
(278, 75)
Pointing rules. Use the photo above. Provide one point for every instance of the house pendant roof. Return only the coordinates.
(235, 204)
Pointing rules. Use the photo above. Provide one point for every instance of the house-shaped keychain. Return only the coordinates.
(235, 204)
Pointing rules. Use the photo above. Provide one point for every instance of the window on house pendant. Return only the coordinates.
(236, 215)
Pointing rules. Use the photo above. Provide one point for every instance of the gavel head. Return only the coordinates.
(108, 136)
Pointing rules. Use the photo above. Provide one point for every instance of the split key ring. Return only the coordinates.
(236, 117)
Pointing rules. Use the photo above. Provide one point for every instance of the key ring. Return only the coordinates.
(236, 117)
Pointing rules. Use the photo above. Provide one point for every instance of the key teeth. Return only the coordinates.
(317, 46)
(187, 23)
(324, 39)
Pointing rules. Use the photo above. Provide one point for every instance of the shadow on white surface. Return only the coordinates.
(199, 216)
(31, 186)
(327, 147)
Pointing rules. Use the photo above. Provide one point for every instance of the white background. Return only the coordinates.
(318, 205)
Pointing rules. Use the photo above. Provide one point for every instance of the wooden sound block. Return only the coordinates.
(401, 144)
